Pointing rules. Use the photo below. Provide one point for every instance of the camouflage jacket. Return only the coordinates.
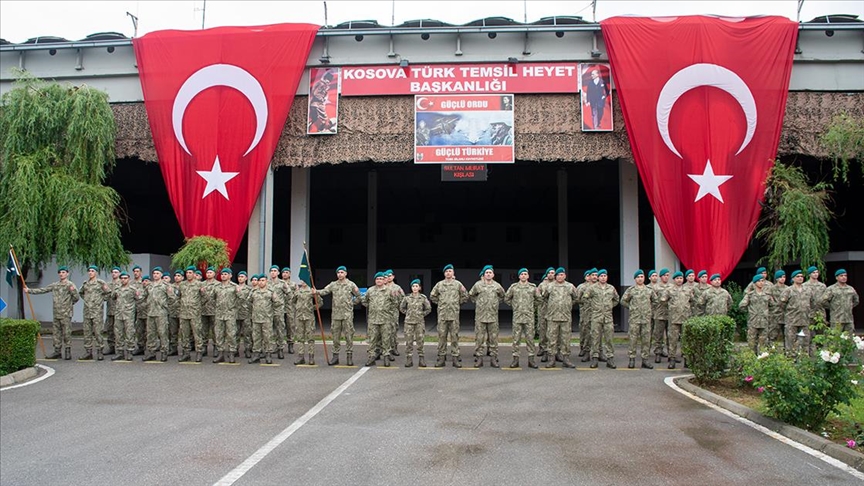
(758, 305)
(110, 304)
(173, 301)
(541, 304)
(839, 300)
(208, 297)
(584, 308)
(680, 300)
(304, 304)
(776, 290)
(400, 294)
(141, 303)
(559, 298)
(817, 289)
(124, 302)
(93, 293)
(661, 306)
(243, 305)
(449, 295)
(225, 299)
(64, 294)
(156, 295)
(602, 298)
(344, 292)
(290, 288)
(796, 302)
(699, 290)
(415, 307)
(190, 293)
(263, 301)
(640, 300)
(486, 297)
(524, 299)
(380, 301)
(715, 301)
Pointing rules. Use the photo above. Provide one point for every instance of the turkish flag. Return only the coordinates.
(217, 100)
(703, 100)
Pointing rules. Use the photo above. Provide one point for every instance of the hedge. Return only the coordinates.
(17, 344)
(707, 343)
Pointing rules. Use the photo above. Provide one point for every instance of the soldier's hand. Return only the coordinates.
(26, 290)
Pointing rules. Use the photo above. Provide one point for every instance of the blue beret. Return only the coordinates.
(664, 271)
(227, 270)
(449, 266)
(124, 274)
(778, 274)
(487, 267)
(286, 269)
(341, 268)
(716, 275)
(594, 270)
(379, 275)
(702, 272)
(178, 272)
(136, 267)
(560, 270)
(839, 272)
(758, 277)
(93, 267)
(688, 272)
(211, 269)
(388, 272)
(522, 270)
(274, 267)
(638, 272)
(62, 268)
(651, 272)
(796, 273)
(811, 270)
(241, 272)
(145, 277)
(677, 274)
(198, 272)
(415, 281)
(587, 272)
(115, 268)
(191, 268)
(602, 271)
(157, 269)
(550, 269)
(761, 270)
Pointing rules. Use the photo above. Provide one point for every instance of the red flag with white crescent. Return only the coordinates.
(217, 100)
(703, 100)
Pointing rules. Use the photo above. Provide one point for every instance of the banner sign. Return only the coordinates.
(703, 122)
(463, 129)
(389, 79)
(595, 91)
(463, 173)
(323, 111)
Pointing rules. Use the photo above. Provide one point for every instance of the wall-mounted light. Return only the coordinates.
(512, 60)
(829, 33)
(559, 34)
(324, 59)
(403, 63)
(492, 35)
(595, 53)
(358, 38)
(110, 49)
(424, 36)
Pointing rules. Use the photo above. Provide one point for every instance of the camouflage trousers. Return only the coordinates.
(486, 338)
(640, 337)
(414, 333)
(542, 329)
(523, 331)
(277, 330)
(559, 337)
(157, 334)
(674, 344)
(92, 332)
(602, 328)
(173, 333)
(261, 337)
(792, 339)
(775, 330)
(379, 339)
(124, 334)
(191, 329)
(342, 328)
(141, 332)
(243, 330)
(226, 337)
(448, 331)
(757, 338)
(658, 337)
(584, 332)
(305, 336)
(108, 329)
(208, 332)
(394, 331)
(290, 328)
(62, 329)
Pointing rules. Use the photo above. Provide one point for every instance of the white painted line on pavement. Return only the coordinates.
(267, 448)
(770, 433)
(49, 372)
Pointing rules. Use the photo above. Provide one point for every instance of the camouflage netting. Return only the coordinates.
(380, 129)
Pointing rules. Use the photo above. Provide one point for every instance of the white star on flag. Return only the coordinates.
(709, 183)
(216, 179)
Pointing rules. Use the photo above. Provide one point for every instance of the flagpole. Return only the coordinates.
(29, 301)
(317, 308)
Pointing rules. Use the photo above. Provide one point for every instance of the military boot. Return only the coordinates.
(456, 363)
(657, 358)
(301, 360)
(395, 351)
(164, 356)
(593, 363)
(231, 357)
(440, 362)
(220, 357)
(349, 359)
(109, 351)
(67, 354)
(281, 354)
(88, 356)
(204, 353)
(544, 358)
(247, 353)
(568, 363)
(478, 362)
(421, 363)
(370, 361)
(99, 355)
(531, 363)
(632, 363)
(312, 358)
(550, 363)
(198, 357)
(671, 363)
(558, 358)
(185, 357)
(118, 357)
(610, 363)
(387, 359)
(602, 358)
(647, 365)
(149, 356)
(254, 358)
(174, 352)
(127, 355)
(55, 355)
(515, 362)
(290, 348)
(493, 362)
(409, 361)
(586, 358)
(334, 360)
(268, 359)
(137, 351)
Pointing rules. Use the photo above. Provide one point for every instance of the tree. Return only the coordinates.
(201, 252)
(56, 147)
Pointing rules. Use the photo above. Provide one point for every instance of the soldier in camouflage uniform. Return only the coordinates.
(541, 317)
(394, 326)
(486, 295)
(590, 277)
(701, 286)
(224, 297)
(449, 294)
(108, 328)
(602, 298)
(796, 302)
(758, 304)
(379, 300)
(690, 281)
(174, 314)
(283, 293)
(190, 293)
(680, 300)
(560, 298)
(64, 295)
(123, 297)
(751, 286)
(290, 323)
(522, 296)
(305, 304)
(156, 293)
(839, 299)
(243, 329)
(140, 312)
(208, 311)
(661, 314)
(416, 307)
(817, 288)
(264, 303)
(93, 292)
(344, 293)
(775, 325)
(639, 299)
(716, 300)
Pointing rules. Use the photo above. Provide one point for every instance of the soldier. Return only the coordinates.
(541, 317)
(305, 303)
(602, 298)
(775, 327)
(701, 286)
(716, 300)
(140, 312)
(264, 302)
(290, 325)
(839, 299)
(224, 298)
(345, 293)
(690, 280)
(560, 297)
(108, 328)
(796, 302)
(590, 277)
(64, 295)
(379, 300)
(282, 292)
(639, 299)
(208, 311)
(156, 294)
(680, 300)
(817, 288)
(123, 297)
(243, 329)
(522, 297)
(487, 295)
(758, 304)
(416, 307)
(174, 314)
(394, 326)
(93, 292)
(190, 292)
(661, 314)
(449, 294)
(759, 271)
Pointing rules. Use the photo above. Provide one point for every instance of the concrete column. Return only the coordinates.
(371, 225)
(266, 245)
(664, 257)
(563, 227)
(259, 227)
(628, 226)
(300, 178)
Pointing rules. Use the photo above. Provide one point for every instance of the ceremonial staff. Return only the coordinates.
(23, 286)
(308, 268)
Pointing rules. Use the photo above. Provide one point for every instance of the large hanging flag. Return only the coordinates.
(703, 100)
(217, 100)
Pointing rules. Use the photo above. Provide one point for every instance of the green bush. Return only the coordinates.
(738, 315)
(17, 344)
(707, 343)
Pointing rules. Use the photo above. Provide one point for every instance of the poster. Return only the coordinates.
(595, 89)
(463, 129)
(323, 111)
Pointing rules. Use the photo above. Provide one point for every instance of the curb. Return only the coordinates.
(18, 376)
(813, 441)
